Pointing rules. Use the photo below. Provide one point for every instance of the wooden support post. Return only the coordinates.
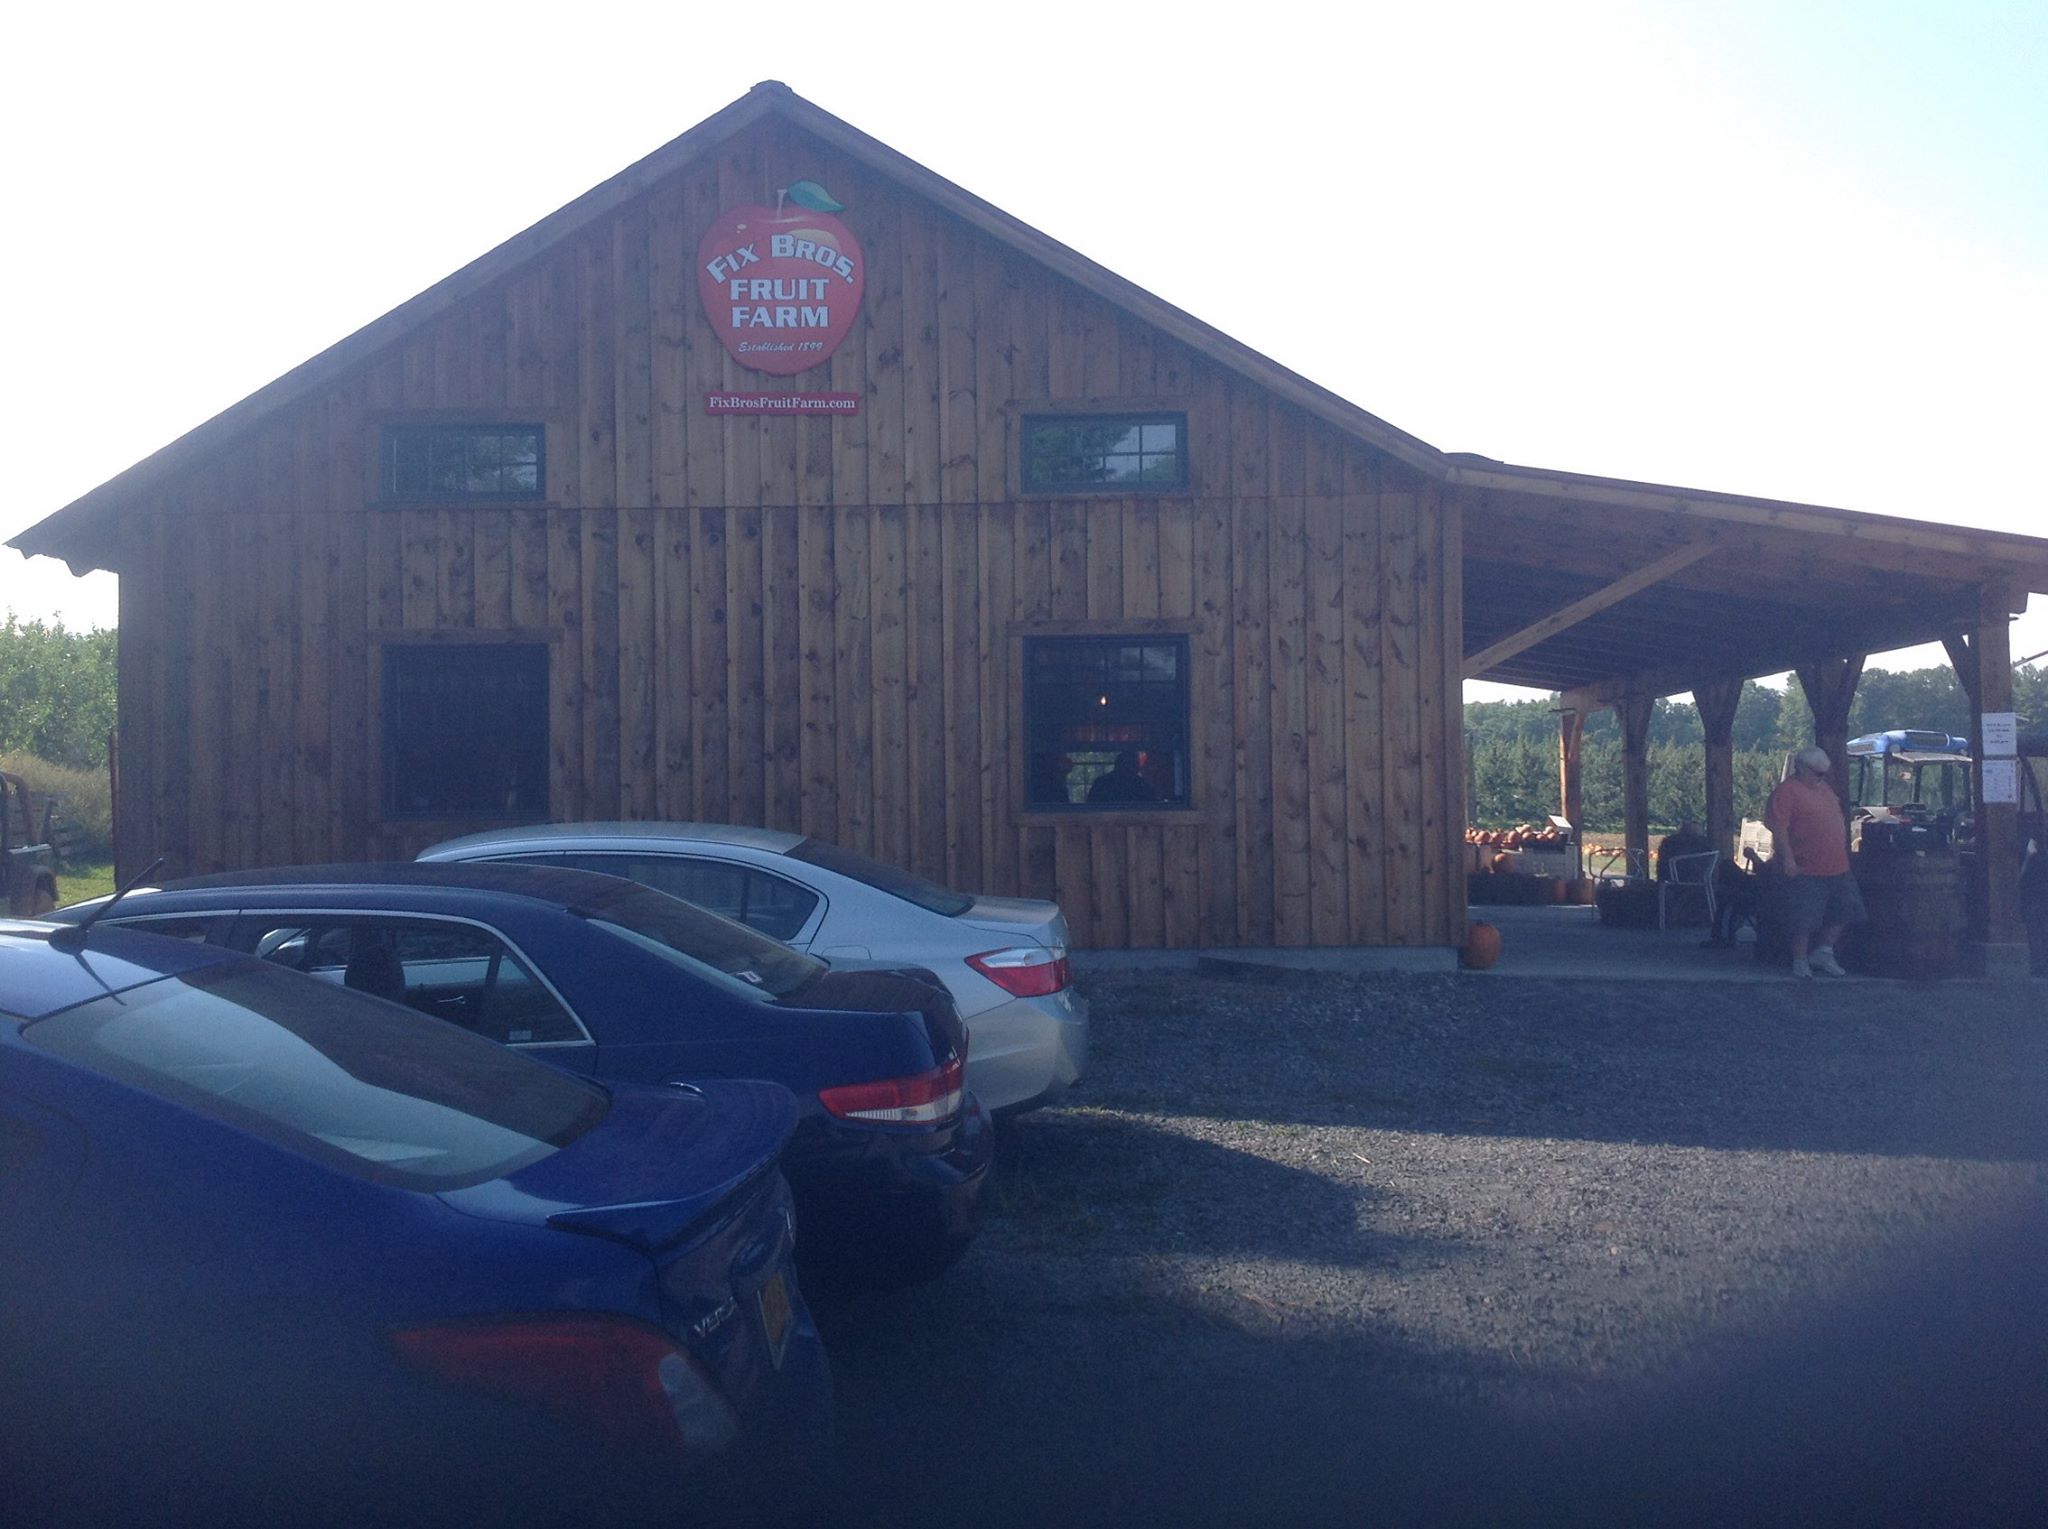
(1717, 703)
(1571, 733)
(1830, 686)
(1635, 758)
(1998, 826)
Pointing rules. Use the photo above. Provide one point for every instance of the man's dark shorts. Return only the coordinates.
(1807, 903)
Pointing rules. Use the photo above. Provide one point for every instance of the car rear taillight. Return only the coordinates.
(625, 1379)
(921, 1099)
(1027, 971)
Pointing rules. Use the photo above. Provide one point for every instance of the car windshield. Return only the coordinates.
(894, 880)
(362, 1086)
(734, 955)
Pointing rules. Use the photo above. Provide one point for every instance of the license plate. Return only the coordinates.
(776, 1315)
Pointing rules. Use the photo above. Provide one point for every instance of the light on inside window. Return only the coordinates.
(1102, 700)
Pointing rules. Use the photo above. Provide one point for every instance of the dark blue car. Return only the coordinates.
(612, 979)
(271, 1251)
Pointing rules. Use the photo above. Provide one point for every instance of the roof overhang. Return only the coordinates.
(1744, 586)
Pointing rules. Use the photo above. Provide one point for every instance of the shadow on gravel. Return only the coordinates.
(1955, 1072)
(1921, 1404)
(1080, 1182)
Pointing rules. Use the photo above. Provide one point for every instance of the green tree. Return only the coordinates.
(57, 691)
(1513, 744)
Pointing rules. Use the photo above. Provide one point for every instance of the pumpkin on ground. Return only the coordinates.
(1482, 947)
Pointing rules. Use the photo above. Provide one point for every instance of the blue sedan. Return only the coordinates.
(620, 982)
(274, 1249)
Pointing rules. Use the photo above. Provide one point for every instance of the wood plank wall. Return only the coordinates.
(811, 623)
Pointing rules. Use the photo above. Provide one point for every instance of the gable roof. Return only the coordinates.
(1520, 496)
(71, 532)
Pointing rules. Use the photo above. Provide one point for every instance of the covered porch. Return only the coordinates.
(1614, 594)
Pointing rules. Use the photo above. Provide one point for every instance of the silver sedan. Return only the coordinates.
(1003, 958)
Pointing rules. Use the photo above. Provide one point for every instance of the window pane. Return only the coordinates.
(1082, 451)
(361, 1086)
(409, 455)
(701, 941)
(465, 461)
(720, 888)
(892, 879)
(773, 905)
(466, 730)
(1106, 722)
(456, 972)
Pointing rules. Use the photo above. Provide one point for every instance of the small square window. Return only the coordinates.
(1107, 453)
(1106, 722)
(465, 462)
(466, 730)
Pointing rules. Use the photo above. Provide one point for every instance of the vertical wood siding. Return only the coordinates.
(811, 623)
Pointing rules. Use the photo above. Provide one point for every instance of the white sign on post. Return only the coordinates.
(2001, 735)
(2001, 781)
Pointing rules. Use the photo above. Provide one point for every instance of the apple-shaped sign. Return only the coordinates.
(781, 284)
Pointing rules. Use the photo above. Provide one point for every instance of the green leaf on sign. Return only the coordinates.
(814, 196)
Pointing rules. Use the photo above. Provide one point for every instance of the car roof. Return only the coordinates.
(768, 840)
(37, 978)
(552, 885)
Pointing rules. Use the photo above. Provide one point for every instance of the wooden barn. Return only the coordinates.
(778, 480)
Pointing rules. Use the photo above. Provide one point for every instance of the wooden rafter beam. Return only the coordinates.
(1591, 605)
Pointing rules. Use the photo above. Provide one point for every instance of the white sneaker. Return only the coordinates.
(1824, 962)
(1800, 968)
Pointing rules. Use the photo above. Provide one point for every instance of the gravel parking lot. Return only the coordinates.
(1429, 1249)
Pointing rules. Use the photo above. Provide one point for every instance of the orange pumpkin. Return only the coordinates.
(1482, 947)
(1504, 861)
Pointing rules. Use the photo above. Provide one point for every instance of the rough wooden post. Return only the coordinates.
(1717, 703)
(1635, 760)
(1830, 686)
(1998, 825)
(1571, 801)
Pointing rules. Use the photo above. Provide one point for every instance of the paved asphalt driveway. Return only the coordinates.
(1431, 1249)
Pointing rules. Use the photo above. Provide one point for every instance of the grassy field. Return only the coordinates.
(80, 881)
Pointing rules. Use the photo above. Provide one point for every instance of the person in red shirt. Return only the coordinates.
(1817, 896)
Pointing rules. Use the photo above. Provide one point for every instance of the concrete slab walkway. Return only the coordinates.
(1571, 941)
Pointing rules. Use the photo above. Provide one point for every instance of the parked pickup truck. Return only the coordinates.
(28, 865)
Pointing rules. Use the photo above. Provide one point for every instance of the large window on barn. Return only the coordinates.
(1105, 453)
(464, 461)
(466, 730)
(1106, 722)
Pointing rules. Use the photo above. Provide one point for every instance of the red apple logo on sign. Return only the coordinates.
(781, 284)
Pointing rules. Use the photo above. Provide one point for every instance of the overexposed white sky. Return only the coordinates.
(1796, 250)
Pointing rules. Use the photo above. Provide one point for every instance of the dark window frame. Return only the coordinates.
(533, 786)
(1038, 720)
(1036, 483)
(436, 439)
